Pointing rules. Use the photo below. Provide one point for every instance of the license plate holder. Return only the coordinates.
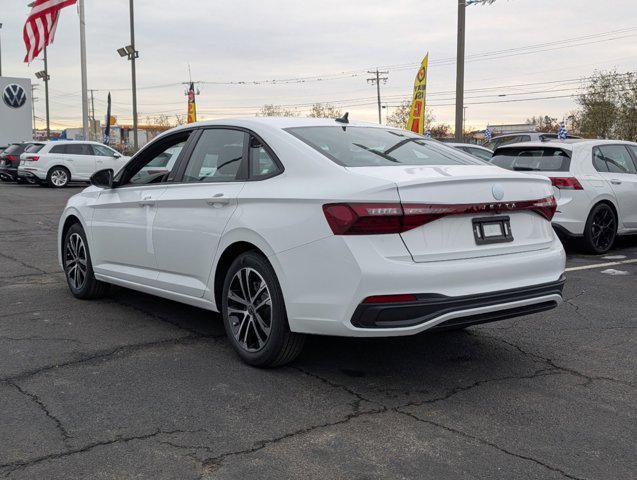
(488, 230)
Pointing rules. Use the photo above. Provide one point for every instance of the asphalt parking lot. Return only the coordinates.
(134, 386)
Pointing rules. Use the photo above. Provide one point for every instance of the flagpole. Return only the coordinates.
(85, 126)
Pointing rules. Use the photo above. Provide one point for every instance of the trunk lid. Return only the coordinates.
(452, 237)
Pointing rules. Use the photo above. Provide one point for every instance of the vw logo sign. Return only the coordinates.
(14, 96)
(498, 191)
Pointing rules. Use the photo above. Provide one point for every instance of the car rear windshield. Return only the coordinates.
(14, 149)
(371, 146)
(34, 148)
(533, 159)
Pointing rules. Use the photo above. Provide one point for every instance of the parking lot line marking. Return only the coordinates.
(600, 265)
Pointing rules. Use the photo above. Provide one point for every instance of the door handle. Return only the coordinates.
(218, 202)
(614, 181)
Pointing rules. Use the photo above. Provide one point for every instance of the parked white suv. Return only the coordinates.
(59, 162)
(595, 184)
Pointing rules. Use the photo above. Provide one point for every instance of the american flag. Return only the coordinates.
(562, 134)
(39, 28)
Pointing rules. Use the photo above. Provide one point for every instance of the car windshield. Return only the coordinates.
(539, 159)
(371, 146)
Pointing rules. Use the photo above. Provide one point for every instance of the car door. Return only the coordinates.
(106, 158)
(122, 244)
(194, 211)
(82, 160)
(622, 177)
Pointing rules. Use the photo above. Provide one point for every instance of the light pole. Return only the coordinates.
(44, 75)
(0, 49)
(130, 52)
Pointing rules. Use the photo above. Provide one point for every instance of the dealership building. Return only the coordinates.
(15, 110)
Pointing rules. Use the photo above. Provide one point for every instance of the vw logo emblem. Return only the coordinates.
(498, 191)
(14, 96)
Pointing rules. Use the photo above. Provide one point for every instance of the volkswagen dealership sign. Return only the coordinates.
(15, 110)
(14, 95)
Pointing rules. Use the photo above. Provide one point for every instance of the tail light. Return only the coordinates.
(566, 183)
(13, 158)
(385, 218)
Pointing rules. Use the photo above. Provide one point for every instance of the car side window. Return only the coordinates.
(598, 161)
(217, 157)
(101, 151)
(58, 149)
(78, 149)
(618, 159)
(261, 163)
(158, 164)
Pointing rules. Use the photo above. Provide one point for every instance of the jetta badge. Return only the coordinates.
(498, 191)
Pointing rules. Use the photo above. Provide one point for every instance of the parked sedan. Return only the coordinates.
(56, 163)
(595, 184)
(298, 226)
(511, 138)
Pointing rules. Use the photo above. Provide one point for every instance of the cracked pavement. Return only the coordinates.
(134, 386)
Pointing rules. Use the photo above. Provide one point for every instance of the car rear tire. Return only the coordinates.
(601, 229)
(78, 268)
(58, 177)
(254, 314)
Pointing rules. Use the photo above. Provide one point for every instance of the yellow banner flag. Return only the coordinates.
(417, 113)
(192, 106)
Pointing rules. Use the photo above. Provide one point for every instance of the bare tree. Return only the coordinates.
(400, 116)
(324, 110)
(276, 111)
(544, 123)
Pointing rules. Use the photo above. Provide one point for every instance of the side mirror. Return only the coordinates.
(117, 155)
(103, 178)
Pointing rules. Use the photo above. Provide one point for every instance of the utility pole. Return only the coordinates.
(460, 70)
(33, 100)
(133, 73)
(376, 80)
(83, 69)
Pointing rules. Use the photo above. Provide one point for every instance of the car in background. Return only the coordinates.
(56, 163)
(292, 226)
(476, 150)
(595, 185)
(10, 160)
(501, 140)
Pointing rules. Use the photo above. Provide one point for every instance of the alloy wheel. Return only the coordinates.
(75, 261)
(59, 178)
(250, 309)
(603, 229)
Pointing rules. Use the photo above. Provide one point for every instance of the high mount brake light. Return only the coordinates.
(566, 183)
(386, 218)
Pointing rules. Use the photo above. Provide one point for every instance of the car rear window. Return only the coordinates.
(533, 159)
(14, 149)
(371, 146)
(34, 148)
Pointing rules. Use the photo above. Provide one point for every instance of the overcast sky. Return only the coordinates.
(250, 40)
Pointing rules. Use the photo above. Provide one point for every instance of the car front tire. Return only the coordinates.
(254, 314)
(601, 229)
(58, 177)
(78, 267)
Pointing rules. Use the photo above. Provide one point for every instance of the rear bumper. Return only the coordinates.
(33, 173)
(8, 173)
(429, 307)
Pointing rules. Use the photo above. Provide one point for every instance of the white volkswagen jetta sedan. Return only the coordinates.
(304, 226)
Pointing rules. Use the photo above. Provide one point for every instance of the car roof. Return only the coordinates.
(473, 145)
(67, 142)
